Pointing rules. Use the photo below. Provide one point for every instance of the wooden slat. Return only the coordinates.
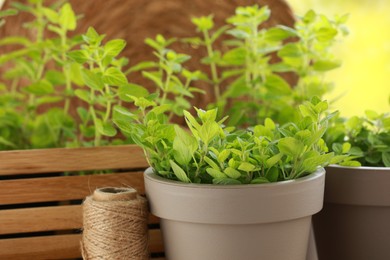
(56, 247)
(71, 159)
(40, 219)
(50, 247)
(44, 219)
(64, 188)
(155, 241)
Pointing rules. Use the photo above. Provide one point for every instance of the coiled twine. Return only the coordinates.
(115, 225)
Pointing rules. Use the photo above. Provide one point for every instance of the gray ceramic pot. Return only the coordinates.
(355, 221)
(235, 222)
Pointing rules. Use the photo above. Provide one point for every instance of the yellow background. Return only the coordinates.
(363, 81)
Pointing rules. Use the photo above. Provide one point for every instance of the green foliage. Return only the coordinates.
(366, 139)
(210, 152)
(171, 80)
(245, 71)
(52, 71)
(37, 73)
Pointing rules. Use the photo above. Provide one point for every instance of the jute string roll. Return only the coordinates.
(115, 225)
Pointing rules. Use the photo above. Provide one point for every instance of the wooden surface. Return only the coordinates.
(62, 188)
(26, 220)
(37, 219)
(71, 159)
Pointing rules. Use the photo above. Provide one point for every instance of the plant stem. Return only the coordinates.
(94, 118)
(165, 88)
(213, 65)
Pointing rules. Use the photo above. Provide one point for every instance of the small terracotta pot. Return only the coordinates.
(355, 221)
(216, 222)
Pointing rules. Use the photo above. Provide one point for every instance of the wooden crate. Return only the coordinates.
(40, 208)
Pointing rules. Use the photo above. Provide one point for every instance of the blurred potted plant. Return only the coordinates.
(60, 91)
(237, 192)
(354, 222)
(259, 72)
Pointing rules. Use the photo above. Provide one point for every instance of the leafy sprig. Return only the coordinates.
(247, 73)
(365, 138)
(171, 80)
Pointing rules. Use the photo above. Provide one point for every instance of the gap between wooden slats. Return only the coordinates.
(64, 188)
(71, 159)
(45, 219)
(57, 247)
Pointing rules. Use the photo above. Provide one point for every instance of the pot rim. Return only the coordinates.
(150, 174)
(360, 168)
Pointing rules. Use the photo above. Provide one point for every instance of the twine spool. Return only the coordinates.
(115, 225)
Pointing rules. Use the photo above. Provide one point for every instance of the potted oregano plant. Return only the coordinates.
(354, 222)
(225, 193)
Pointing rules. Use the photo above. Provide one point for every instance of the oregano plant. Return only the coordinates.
(247, 79)
(365, 138)
(210, 152)
(37, 74)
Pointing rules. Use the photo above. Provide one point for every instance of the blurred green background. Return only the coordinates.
(363, 81)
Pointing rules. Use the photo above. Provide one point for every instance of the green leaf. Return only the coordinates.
(92, 79)
(290, 50)
(15, 40)
(114, 47)
(131, 90)
(226, 181)
(232, 173)
(114, 77)
(208, 131)
(142, 65)
(55, 29)
(325, 65)
(371, 115)
(92, 37)
(312, 163)
(83, 95)
(67, 18)
(55, 77)
(83, 114)
(259, 180)
(191, 121)
(290, 146)
(79, 56)
(326, 34)
(153, 77)
(105, 128)
(8, 12)
(235, 56)
(307, 111)
(179, 172)
(216, 174)
(157, 110)
(211, 163)
(223, 155)
(277, 85)
(47, 100)
(184, 146)
(273, 174)
(42, 87)
(203, 23)
(386, 159)
(279, 33)
(274, 160)
(51, 15)
(351, 164)
(246, 167)
(346, 147)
